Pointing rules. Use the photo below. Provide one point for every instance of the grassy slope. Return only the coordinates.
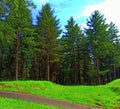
(7, 103)
(115, 87)
(92, 95)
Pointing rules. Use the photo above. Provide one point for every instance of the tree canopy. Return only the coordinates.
(46, 52)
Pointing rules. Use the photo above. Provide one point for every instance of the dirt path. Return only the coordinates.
(43, 100)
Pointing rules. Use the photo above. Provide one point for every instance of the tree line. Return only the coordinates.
(45, 52)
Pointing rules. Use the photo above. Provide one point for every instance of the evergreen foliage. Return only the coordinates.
(40, 52)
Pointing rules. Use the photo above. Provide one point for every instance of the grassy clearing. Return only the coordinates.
(7, 103)
(102, 96)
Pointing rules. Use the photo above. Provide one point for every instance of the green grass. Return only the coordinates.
(115, 83)
(106, 96)
(115, 86)
(8, 103)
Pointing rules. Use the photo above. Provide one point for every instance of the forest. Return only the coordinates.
(45, 51)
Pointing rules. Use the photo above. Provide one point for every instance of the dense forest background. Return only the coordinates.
(45, 52)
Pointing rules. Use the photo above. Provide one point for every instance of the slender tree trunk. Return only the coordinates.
(85, 77)
(79, 80)
(9, 68)
(16, 64)
(48, 67)
(26, 68)
(79, 73)
(110, 77)
(114, 72)
(97, 65)
(1, 64)
(39, 69)
(23, 67)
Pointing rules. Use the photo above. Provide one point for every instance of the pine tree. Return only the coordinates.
(20, 20)
(96, 33)
(73, 43)
(49, 31)
(6, 38)
(114, 50)
(101, 38)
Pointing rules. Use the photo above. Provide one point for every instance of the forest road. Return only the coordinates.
(44, 100)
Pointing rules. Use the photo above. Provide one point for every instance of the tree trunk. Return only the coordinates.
(114, 67)
(114, 71)
(23, 67)
(97, 66)
(1, 64)
(79, 80)
(16, 64)
(9, 68)
(48, 67)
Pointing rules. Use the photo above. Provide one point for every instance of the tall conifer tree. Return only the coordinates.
(20, 20)
(49, 31)
(101, 38)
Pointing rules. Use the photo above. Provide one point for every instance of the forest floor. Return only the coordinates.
(44, 100)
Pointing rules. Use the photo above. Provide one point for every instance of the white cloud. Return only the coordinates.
(110, 9)
(43, 1)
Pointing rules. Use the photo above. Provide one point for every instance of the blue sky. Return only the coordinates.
(82, 9)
